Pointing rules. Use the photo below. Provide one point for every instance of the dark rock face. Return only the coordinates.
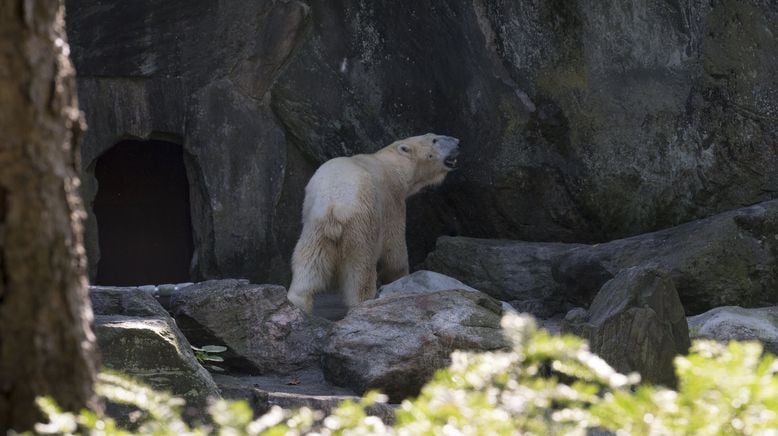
(636, 323)
(136, 336)
(727, 259)
(580, 121)
(262, 331)
(518, 272)
(396, 343)
(199, 77)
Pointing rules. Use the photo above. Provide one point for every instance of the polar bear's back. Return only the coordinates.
(339, 190)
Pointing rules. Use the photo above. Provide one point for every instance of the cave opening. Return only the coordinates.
(143, 216)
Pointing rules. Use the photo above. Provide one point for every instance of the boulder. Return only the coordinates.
(737, 323)
(137, 337)
(519, 272)
(636, 323)
(262, 331)
(396, 343)
(726, 259)
(421, 282)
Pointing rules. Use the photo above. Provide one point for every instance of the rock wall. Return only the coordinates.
(581, 121)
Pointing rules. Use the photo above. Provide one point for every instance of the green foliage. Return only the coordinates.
(208, 353)
(545, 384)
(724, 390)
(515, 391)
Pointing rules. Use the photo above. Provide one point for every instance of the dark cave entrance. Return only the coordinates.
(143, 217)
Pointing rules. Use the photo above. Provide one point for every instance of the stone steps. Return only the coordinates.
(306, 388)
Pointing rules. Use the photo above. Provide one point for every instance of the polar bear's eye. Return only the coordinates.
(404, 148)
(430, 156)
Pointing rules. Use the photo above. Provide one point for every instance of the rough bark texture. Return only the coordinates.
(46, 342)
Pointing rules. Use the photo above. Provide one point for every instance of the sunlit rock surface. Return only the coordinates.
(137, 337)
(729, 323)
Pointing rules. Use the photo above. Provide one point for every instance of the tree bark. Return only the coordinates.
(46, 342)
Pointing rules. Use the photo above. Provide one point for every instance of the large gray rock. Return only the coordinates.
(262, 331)
(137, 337)
(580, 121)
(635, 323)
(395, 344)
(726, 259)
(729, 323)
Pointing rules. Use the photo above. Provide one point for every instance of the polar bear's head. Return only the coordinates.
(431, 156)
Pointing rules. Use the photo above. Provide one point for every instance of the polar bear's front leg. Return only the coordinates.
(357, 269)
(357, 282)
(393, 263)
(394, 260)
(300, 297)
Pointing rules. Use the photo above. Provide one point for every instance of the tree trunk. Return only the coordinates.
(46, 341)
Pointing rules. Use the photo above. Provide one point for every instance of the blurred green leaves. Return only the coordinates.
(544, 385)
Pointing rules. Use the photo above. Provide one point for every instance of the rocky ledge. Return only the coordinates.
(628, 297)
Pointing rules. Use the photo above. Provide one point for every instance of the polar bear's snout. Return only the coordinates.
(448, 147)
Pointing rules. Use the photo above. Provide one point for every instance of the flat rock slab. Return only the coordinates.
(127, 301)
(263, 332)
(305, 388)
(729, 323)
(726, 259)
(396, 343)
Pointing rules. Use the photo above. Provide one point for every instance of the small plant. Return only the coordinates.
(207, 354)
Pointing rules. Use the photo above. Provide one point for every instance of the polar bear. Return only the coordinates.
(354, 218)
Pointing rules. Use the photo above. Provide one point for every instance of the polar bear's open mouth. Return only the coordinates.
(451, 161)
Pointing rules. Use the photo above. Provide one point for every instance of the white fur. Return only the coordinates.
(354, 220)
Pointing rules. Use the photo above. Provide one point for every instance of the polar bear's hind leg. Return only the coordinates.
(313, 264)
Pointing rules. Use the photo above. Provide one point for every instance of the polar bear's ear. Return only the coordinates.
(404, 149)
